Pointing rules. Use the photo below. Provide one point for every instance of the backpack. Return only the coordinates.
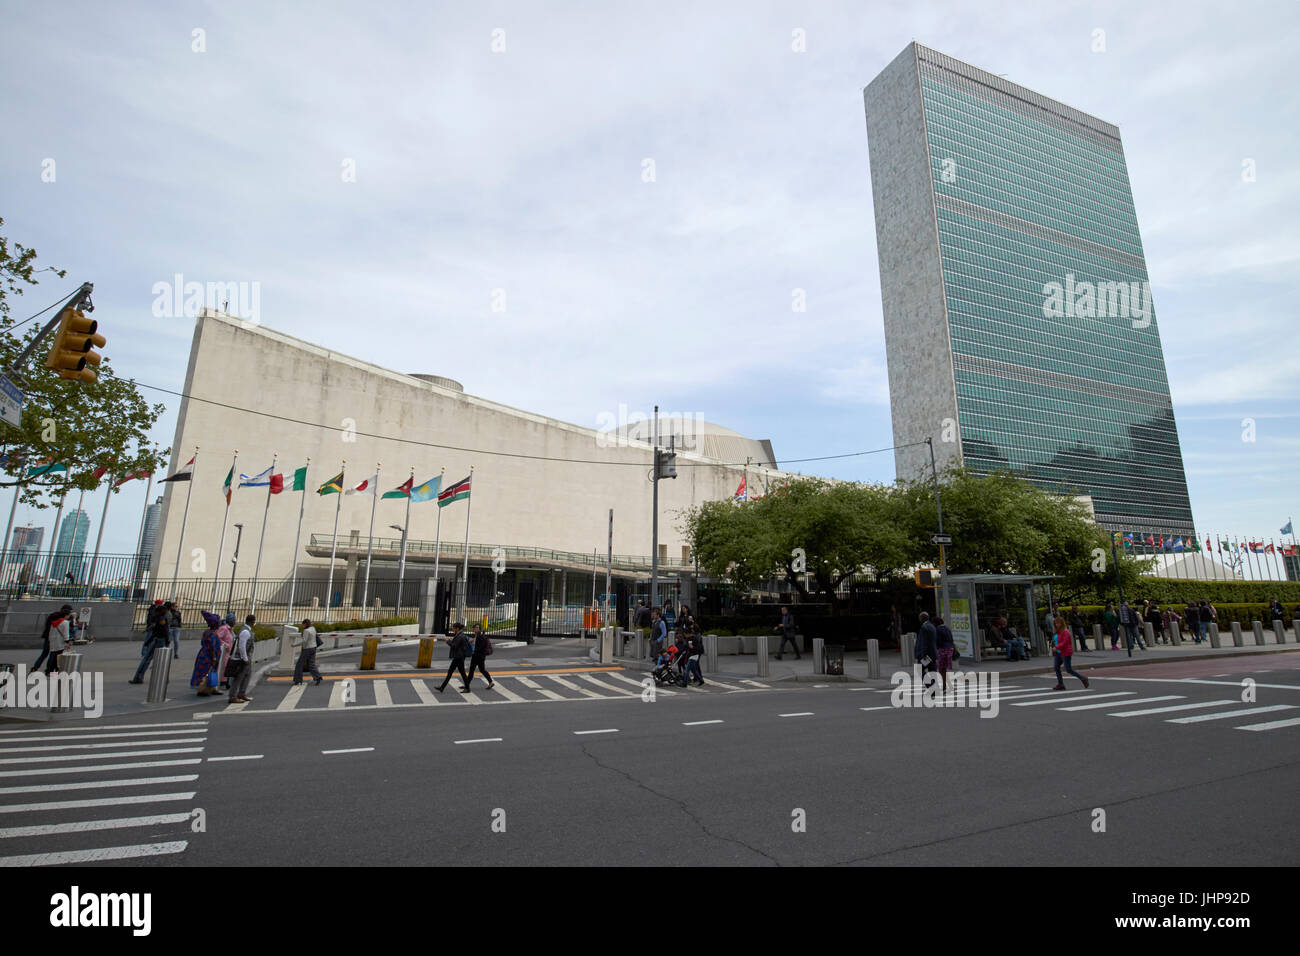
(487, 645)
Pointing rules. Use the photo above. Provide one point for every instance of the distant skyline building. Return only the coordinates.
(1019, 328)
(27, 539)
(145, 555)
(70, 544)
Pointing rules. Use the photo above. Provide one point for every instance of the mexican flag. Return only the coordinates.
(454, 492)
(401, 491)
(332, 487)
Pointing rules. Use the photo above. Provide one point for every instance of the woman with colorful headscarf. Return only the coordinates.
(209, 656)
(226, 635)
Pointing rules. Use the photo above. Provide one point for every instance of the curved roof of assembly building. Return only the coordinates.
(690, 433)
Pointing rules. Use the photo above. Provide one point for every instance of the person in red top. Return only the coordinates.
(1064, 651)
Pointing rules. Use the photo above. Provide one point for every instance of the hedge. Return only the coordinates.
(1174, 591)
(355, 625)
(1227, 613)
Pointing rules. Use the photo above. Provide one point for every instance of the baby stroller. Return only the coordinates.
(666, 670)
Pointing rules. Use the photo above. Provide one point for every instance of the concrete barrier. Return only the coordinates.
(1150, 633)
(819, 655)
(873, 659)
(764, 665)
(1280, 630)
(1096, 637)
(1258, 628)
(906, 649)
(711, 653)
(160, 668)
(1214, 634)
(1176, 633)
(1236, 635)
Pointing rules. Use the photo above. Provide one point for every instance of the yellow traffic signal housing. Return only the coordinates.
(74, 346)
(925, 577)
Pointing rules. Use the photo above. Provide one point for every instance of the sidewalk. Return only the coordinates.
(745, 667)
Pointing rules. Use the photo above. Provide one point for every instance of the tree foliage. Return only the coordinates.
(85, 426)
(1000, 524)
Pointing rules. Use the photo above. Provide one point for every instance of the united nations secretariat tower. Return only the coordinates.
(1019, 326)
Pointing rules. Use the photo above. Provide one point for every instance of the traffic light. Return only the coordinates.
(925, 577)
(73, 353)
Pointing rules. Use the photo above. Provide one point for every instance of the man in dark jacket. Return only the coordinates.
(1076, 628)
(788, 633)
(45, 633)
(658, 633)
(459, 649)
(156, 636)
(926, 652)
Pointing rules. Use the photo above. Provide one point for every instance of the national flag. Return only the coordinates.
(1177, 544)
(185, 473)
(332, 487)
(135, 474)
(44, 468)
(1196, 545)
(1128, 540)
(100, 473)
(1289, 550)
(1286, 529)
(1268, 548)
(454, 492)
(740, 489)
(259, 480)
(1256, 547)
(401, 491)
(277, 484)
(366, 487)
(300, 479)
(427, 491)
(225, 485)
(1116, 537)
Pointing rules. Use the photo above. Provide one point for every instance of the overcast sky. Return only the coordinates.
(523, 170)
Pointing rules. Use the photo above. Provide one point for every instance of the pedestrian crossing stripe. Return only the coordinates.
(385, 675)
(1271, 708)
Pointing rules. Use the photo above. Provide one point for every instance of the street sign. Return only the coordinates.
(941, 539)
(11, 402)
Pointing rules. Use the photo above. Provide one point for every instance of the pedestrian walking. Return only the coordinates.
(1208, 615)
(457, 649)
(693, 648)
(50, 619)
(240, 666)
(59, 640)
(226, 638)
(1275, 610)
(788, 632)
(1064, 650)
(1129, 619)
(1076, 628)
(174, 627)
(1192, 615)
(156, 637)
(479, 655)
(1169, 617)
(307, 656)
(208, 658)
(1110, 622)
(1154, 618)
(926, 652)
(945, 647)
(658, 632)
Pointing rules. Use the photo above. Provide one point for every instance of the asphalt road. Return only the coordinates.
(706, 777)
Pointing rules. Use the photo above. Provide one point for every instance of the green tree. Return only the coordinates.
(86, 426)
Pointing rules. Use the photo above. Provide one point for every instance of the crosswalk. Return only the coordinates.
(1128, 704)
(81, 794)
(396, 691)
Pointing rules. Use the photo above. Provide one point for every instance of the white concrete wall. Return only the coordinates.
(516, 501)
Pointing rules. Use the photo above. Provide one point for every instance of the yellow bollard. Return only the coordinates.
(425, 657)
(369, 648)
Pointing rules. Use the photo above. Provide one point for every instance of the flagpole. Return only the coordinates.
(180, 544)
(469, 502)
(99, 538)
(329, 586)
(221, 548)
(406, 533)
(437, 539)
(370, 543)
(266, 510)
(297, 540)
(4, 549)
(54, 540)
(139, 550)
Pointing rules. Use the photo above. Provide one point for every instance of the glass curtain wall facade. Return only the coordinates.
(1056, 362)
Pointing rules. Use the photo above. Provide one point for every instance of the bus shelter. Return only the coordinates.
(974, 600)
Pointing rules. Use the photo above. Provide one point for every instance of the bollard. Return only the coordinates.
(760, 651)
(906, 649)
(287, 635)
(638, 646)
(1096, 637)
(369, 650)
(1175, 633)
(159, 671)
(1259, 632)
(819, 655)
(424, 656)
(606, 645)
(873, 659)
(1150, 632)
(1280, 630)
(1214, 634)
(711, 653)
(68, 664)
(1236, 634)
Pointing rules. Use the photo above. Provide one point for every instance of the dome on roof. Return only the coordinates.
(441, 380)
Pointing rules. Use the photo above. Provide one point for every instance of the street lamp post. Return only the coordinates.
(234, 565)
(401, 567)
(1119, 584)
(943, 557)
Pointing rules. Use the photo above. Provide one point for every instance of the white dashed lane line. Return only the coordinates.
(240, 757)
(806, 713)
(699, 723)
(480, 740)
(607, 730)
(350, 750)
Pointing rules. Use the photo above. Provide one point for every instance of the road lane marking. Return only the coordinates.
(384, 675)
(349, 750)
(616, 691)
(97, 802)
(292, 697)
(1058, 698)
(107, 766)
(382, 697)
(499, 688)
(128, 743)
(887, 707)
(1231, 713)
(103, 784)
(120, 753)
(805, 713)
(95, 856)
(240, 757)
(1111, 703)
(422, 691)
(637, 684)
(1166, 710)
(336, 695)
(548, 694)
(572, 686)
(699, 723)
(1272, 724)
(236, 707)
(607, 730)
(189, 729)
(1193, 680)
(756, 684)
(480, 740)
(85, 826)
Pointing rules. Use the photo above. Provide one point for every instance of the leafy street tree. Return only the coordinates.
(86, 426)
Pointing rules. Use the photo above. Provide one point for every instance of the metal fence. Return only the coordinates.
(73, 575)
